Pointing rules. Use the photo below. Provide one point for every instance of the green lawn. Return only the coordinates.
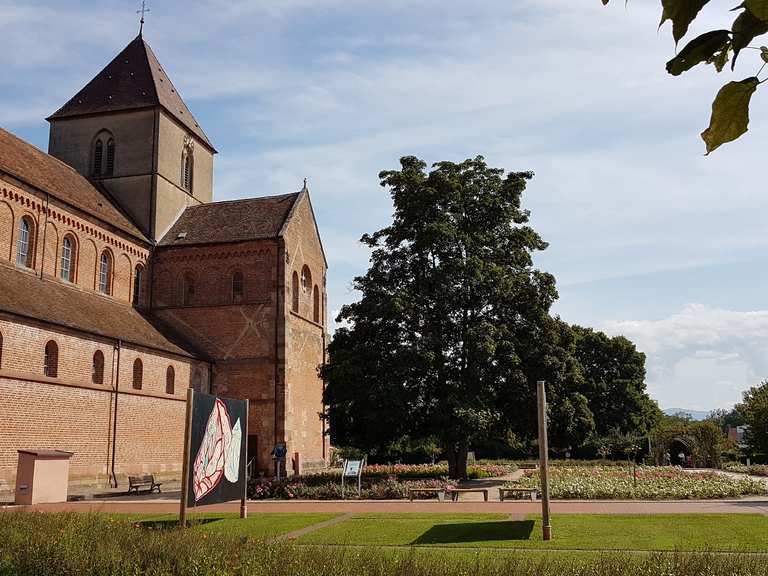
(255, 526)
(715, 532)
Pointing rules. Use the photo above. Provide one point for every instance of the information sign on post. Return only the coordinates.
(215, 448)
(353, 469)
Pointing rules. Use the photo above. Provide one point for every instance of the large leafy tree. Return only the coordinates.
(730, 110)
(754, 410)
(614, 375)
(453, 327)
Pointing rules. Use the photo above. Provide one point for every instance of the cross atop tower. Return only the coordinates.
(143, 11)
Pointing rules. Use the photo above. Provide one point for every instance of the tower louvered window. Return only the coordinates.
(110, 170)
(98, 157)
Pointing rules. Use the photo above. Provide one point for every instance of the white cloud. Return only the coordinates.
(701, 357)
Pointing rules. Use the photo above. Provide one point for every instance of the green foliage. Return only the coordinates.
(725, 419)
(754, 409)
(701, 49)
(453, 331)
(614, 375)
(730, 110)
(704, 441)
(453, 320)
(681, 13)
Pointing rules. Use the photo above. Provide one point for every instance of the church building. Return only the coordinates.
(123, 284)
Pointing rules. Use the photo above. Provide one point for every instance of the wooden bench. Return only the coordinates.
(455, 492)
(146, 481)
(439, 491)
(511, 490)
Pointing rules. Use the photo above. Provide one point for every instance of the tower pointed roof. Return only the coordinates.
(133, 80)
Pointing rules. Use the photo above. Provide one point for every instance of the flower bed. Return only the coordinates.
(372, 489)
(379, 482)
(753, 470)
(653, 483)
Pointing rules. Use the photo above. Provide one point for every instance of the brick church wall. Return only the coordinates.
(239, 336)
(70, 412)
(51, 224)
(304, 338)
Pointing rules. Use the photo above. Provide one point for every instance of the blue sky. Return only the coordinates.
(648, 238)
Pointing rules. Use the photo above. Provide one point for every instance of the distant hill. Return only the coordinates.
(693, 414)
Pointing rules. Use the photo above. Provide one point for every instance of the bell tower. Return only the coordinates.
(129, 131)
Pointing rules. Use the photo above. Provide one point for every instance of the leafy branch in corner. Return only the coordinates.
(730, 110)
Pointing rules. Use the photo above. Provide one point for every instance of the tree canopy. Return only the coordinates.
(453, 327)
(754, 410)
(730, 109)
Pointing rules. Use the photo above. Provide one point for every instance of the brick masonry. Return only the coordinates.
(253, 346)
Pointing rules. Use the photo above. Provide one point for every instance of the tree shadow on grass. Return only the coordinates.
(477, 532)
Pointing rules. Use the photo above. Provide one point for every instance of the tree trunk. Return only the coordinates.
(456, 453)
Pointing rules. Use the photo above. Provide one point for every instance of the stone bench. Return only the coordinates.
(146, 481)
(455, 492)
(503, 492)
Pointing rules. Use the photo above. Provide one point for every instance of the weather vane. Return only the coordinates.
(143, 11)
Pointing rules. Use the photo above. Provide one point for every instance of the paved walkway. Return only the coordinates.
(742, 506)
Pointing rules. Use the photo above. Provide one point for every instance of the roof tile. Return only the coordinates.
(52, 301)
(44, 172)
(231, 221)
(134, 79)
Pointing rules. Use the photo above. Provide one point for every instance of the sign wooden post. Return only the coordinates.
(185, 463)
(244, 501)
(544, 459)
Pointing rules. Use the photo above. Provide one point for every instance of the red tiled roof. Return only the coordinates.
(51, 301)
(44, 172)
(231, 221)
(134, 79)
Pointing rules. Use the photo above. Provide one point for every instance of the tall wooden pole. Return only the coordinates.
(185, 462)
(244, 500)
(544, 459)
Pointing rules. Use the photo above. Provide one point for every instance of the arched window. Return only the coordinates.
(170, 376)
(110, 169)
(97, 369)
(25, 245)
(316, 305)
(138, 374)
(237, 286)
(98, 157)
(138, 283)
(188, 287)
(51, 359)
(68, 259)
(105, 273)
(306, 279)
(295, 292)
